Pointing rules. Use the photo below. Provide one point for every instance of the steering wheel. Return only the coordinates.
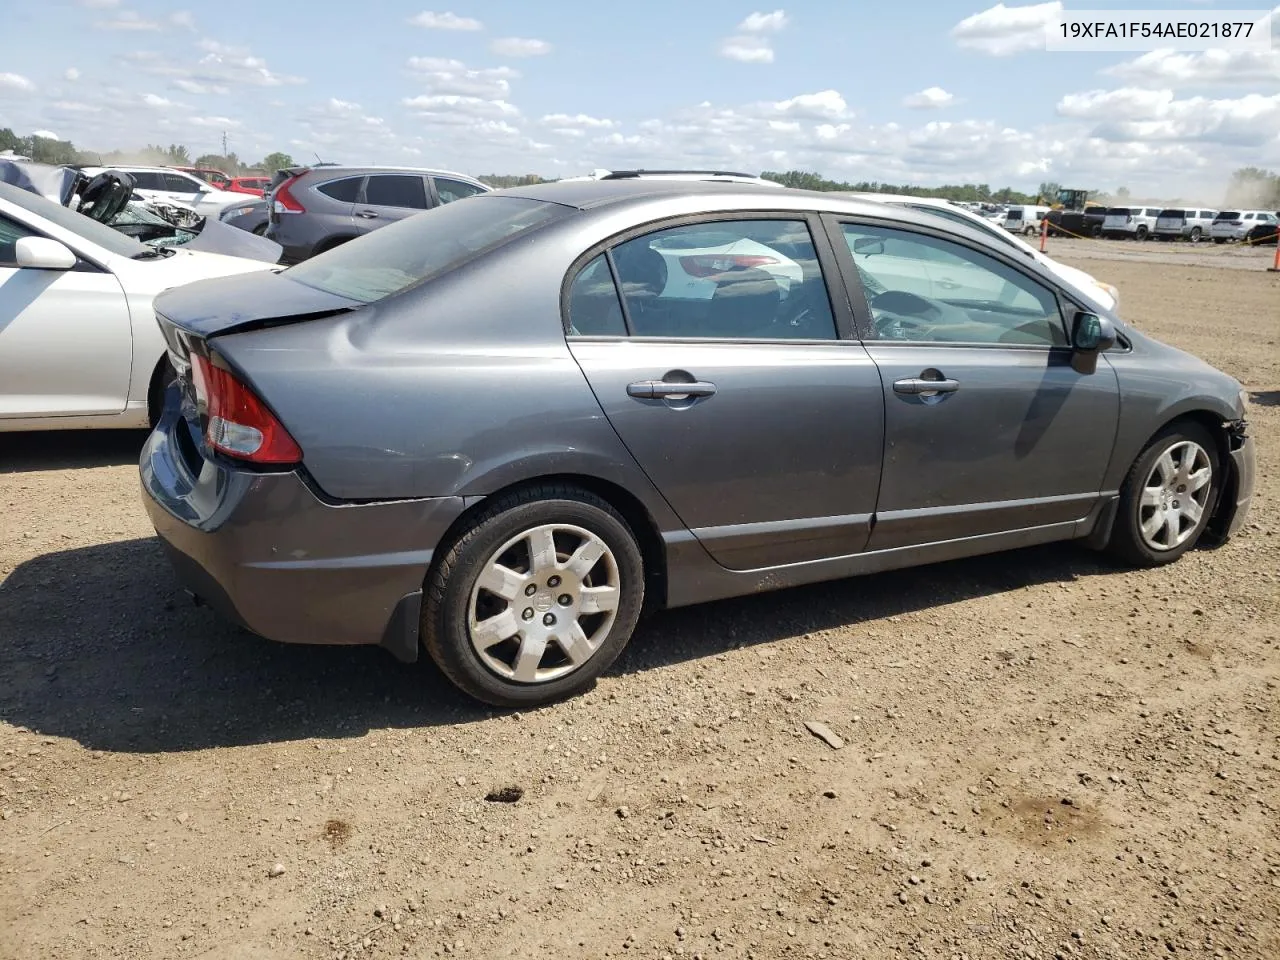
(894, 311)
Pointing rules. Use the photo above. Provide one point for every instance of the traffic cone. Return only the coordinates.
(1044, 235)
(1275, 267)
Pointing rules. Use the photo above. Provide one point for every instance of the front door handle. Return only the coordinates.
(669, 390)
(915, 386)
(367, 215)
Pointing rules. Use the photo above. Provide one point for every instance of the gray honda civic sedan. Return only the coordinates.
(500, 429)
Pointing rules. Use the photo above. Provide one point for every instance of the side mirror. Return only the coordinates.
(1090, 335)
(41, 253)
(868, 246)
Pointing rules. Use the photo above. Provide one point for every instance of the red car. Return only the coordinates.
(256, 186)
(210, 176)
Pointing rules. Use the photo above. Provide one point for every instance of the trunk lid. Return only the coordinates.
(211, 308)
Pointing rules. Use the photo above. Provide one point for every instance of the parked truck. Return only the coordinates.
(1073, 215)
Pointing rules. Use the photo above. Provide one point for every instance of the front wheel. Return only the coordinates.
(1168, 497)
(1196, 234)
(1141, 232)
(536, 599)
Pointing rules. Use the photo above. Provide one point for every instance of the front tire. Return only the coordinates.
(1168, 497)
(536, 599)
(1196, 234)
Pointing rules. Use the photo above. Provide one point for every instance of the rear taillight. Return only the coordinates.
(282, 201)
(237, 422)
(710, 264)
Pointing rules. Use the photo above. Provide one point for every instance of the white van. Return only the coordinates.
(1024, 219)
(1130, 222)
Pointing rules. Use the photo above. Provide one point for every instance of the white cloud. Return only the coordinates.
(823, 105)
(449, 108)
(519, 47)
(444, 21)
(930, 98)
(192, 86)
(129, 20)
(1001, 31)
(1172, 69)
(100, 4)
(746, 49)
(16, 83)
(71, 74)
(575, 125)
(764, 22)
(45, 134)
(750, 44)
(443, 76)
(152, 100)
(226, 123)
(230, 64)
(1131, 114)
(183, 18)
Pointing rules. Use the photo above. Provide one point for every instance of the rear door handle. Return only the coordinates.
(669, 390)
(914, 386)
(367, 215)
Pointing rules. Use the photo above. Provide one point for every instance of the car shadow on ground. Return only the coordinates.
(100, 645)
(63, 450)
(1265, 398)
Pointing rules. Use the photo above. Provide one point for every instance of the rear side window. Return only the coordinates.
(594, 308)
(726, 279)
(147, 180)
(420, 248)
(1205, 215)
(396, 190)
(345, 190)
(180, 184)
(450, 190)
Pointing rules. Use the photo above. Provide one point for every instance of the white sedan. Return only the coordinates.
(1103, 293)
(175, 186)
(79, 342)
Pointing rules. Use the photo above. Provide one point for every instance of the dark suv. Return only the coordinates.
(320, 207)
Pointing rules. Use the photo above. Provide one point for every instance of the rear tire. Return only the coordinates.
(535, 599)
(1167, 498)
(1141, 232)
(1196, 234)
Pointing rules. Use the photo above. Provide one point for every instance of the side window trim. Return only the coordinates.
(825, 252)
(862, 309)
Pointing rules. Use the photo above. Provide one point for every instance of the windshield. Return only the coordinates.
(422, 246)
(91, 230)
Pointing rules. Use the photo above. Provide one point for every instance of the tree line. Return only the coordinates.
(1250, 187)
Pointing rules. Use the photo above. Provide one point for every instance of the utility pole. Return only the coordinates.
(224, 143)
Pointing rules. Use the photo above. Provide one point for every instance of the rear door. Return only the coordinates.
(388, 197)
(66, 345)
(752, 410)
(1011, 437)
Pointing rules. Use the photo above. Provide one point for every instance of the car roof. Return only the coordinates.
(348, 169)
(710, 196)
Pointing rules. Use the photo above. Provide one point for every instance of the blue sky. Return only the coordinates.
(926, 92)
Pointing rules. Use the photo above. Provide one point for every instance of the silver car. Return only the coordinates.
(497, 432)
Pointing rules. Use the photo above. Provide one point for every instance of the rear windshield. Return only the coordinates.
(1174, 214)
(1117, 211)
(422, 246)
(1013, 215)
(1228, 215)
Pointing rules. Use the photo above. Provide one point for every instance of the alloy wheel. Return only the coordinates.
(1175, 495)
(544, 603)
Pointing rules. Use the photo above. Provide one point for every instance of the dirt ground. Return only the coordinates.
(1044, 755)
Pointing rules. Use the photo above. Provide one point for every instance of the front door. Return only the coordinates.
(728, 383)
(66, 344)
(987, 426)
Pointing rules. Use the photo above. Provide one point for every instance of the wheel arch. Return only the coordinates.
(630, 507)
(1220, 428)
(161, 375)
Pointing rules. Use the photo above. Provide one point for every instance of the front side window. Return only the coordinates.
(396, 190)
(726, 279)
(925, 289)
(176, 183)
(450, 190)
(147, 180)
(10, 234)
